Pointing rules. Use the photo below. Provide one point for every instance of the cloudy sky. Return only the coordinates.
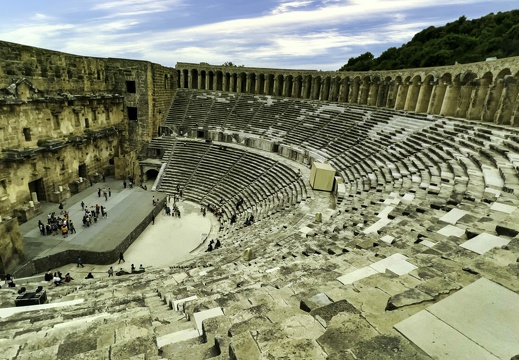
(305, 34)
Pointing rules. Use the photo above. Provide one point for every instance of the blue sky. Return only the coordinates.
(303, 34)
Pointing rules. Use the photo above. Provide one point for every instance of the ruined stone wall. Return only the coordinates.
(11, 245)
(64, 116)
(486, 91)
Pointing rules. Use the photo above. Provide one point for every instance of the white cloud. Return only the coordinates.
(320, 34)
(286, 6)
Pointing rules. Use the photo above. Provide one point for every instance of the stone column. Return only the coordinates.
(464, 100)
(373, 93)
(343, 90)
(354, 93)
(392, 94)
(412, 96)
(478, 97)
(506, 104)
(450, 100)
(424, 96)
(437, 96)
(401, 96)
(492, 100)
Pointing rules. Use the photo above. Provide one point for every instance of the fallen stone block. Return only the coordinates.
(507, 229)
(327, 312)
(243, 346)
(406, 298)
(314, 302)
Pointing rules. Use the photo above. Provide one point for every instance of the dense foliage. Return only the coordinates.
(462, 41)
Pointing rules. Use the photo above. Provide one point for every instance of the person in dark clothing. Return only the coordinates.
(121, 257)
(217, 244)
(79, 262)
(89, 276)
(48, 276)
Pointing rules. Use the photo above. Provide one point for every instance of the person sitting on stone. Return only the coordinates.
(57, 280)
(121, 272)
(217, 244)
(209, 247)
(89, 276)
(141, 268)
(68, 278)
(48, 276)
(9, 280)
(133, 268)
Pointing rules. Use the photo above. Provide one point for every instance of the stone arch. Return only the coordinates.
(203, 76)
(150, 174)
(185, 73)
(251, 83)
(194, 79)
(270, 84)
(210, 80)
(241, 86)
(227, 82)
(234, 82)
(219, 81)
(278, 85)
(261, 84)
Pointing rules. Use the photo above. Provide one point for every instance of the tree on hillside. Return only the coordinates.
(461, 41)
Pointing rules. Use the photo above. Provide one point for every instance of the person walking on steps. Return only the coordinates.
(80, 262)
(121, 257)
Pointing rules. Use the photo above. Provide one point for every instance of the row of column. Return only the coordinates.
(495, 101)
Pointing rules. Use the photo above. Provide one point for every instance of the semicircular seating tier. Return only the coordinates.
(211, 174)
(424, 242)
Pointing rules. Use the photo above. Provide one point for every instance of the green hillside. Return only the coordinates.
(462, 41)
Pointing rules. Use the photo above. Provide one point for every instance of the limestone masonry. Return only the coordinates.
(414, 254)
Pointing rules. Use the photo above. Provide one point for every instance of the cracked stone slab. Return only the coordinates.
(477, 322)
(406, 298)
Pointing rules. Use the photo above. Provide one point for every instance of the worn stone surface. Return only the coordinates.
(408, 297)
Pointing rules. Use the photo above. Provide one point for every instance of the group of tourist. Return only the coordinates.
(106, 193)
(92, 215)
(213, 245)
(121, 271)
(62, 224)
(57, 278)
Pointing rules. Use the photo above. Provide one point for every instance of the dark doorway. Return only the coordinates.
(151, 174)
(38, 187)
(82, 171)
(200, 134)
